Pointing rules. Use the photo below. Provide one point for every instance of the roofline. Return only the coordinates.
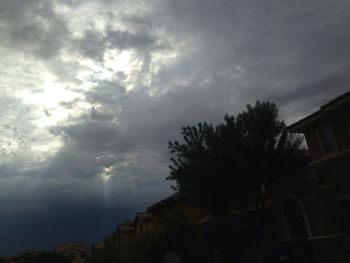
(299, 126)
(137, 216)
(22, 253)
(174, 197)
(73, 244)
(338, 100)
(74, 247)
(70, 243)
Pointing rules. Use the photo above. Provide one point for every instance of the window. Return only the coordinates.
(327, 139)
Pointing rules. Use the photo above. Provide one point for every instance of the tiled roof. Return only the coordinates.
(126, 227)
(27, 252)
(143, 216)
(61, 248)
(175, 197)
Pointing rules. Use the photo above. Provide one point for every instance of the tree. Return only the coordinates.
(51, 257)
(230, 165)
(233, 165)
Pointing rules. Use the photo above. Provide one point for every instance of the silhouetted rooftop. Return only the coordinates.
(337, 102)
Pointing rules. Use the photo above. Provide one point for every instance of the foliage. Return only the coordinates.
(227, 165)
(174, 235)
(107, 254)
(51, 257)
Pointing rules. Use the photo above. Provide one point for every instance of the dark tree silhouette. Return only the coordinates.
(231, 165)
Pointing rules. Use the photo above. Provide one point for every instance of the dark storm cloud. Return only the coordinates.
(276, 46)
(33, 27)
(107, 93)
(94, 42)
(125, 40)
(96, 135)
(316, 93)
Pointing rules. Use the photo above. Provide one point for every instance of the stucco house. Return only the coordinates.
(77, 252)
(177, 203)
(314, 207)
(27, 256)
(143, 223)
(125, 233)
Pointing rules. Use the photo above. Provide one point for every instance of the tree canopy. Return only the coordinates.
(224, 166)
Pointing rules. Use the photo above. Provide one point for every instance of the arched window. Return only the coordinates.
(294, 218)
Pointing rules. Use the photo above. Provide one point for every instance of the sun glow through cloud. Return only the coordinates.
(106, 173)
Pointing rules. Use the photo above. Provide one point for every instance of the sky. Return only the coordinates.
(92, 91)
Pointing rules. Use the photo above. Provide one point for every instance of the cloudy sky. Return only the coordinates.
(91, 92)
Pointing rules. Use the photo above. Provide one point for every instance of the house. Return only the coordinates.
(96, 246)
(143, 223)
(27, 256)
(177, 204)
(314, 206)
(125, 233)
(77, 252)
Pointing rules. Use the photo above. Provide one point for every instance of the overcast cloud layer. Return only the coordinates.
(92, 91)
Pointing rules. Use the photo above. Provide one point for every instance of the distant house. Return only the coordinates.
(96, 246)
(143, 223)
(315, 205)
(177, 203)
(27, 256)
(125, 233)
(77, 252)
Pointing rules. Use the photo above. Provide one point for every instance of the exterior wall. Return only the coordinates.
(322, 213)
(142, 227)
(191, 214)
(335, 172)
(126, 238)
(342, 138)
(76, 255)
(63, 247)
(345, 114)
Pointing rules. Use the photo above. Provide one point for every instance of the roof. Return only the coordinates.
(109, 237)
(143, 216)
(328, 107)
(208, 218)
(97, 245)
(344, 98)
(126, 227)
(62, 248)
(27, 252)
(174, 198)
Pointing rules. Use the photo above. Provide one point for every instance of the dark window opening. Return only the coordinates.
(327, 139)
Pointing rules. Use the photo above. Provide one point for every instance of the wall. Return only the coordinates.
(191, 213)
